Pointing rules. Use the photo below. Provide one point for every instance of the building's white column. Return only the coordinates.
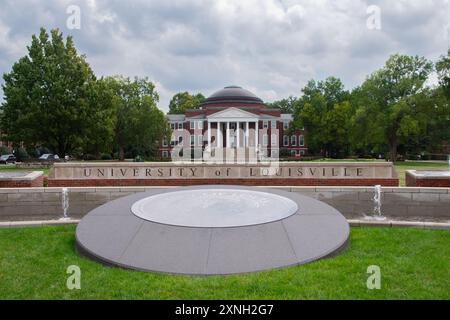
(238, 135)
(246, 135)
(209, 134)
(219, 135)
(228, 135)
(256, 134)
(222, 134)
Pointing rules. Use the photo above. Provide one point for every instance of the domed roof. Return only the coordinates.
(233, 94)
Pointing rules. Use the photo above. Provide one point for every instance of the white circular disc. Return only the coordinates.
(214, 208)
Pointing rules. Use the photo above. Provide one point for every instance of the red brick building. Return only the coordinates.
(227, 121)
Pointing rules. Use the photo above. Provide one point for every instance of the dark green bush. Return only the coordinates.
(106, 156)
(21, 154)
(4, 150)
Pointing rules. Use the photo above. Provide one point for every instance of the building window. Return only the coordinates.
(273, 124)
(164, 142)
(265, 140)
(265, 124)
(200, 140)
(301, 141)
(192, 140)
(293, 153)
(165, 154)
(191, 125)
(200, 125)
(180, 140)
(273, 140)
(172, 126)
(233, 126)
(293, 141)
(302, 152)
(285, 141)
(285, 125)
(180, 125)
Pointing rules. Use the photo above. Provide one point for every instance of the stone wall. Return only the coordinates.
(262, 174)
(210, 181)
(430, 179)
(22, 180)
(401, 203)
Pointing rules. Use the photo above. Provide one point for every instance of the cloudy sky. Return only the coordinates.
(269, 47)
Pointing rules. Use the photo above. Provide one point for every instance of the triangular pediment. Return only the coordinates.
(233, 113)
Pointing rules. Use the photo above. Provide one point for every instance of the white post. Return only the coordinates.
(238, 135)
(209, 134)
(228, 135)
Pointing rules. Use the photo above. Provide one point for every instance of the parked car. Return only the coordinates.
(49, 157)
(7, 158)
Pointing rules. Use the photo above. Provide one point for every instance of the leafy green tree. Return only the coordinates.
(100, 126)
(443, 70)
(183, 101)
(387, 101)
(325, 112)
(285, 105)
(138, 123)
(46, 95)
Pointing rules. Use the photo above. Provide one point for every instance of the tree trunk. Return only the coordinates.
(121, 153)
(393, 149)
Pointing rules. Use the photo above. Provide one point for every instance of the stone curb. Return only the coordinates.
(353, 223)
(400, 224)
(37, 223)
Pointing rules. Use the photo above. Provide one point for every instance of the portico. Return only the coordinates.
(234, 128)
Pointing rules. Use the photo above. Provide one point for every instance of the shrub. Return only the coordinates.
(106, 156)
(89, 157)
(4, 150)
(21, 154)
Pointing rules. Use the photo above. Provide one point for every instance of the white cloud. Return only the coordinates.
(270, 47)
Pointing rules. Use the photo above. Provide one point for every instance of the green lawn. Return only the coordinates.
(12, 168)
(415, 264)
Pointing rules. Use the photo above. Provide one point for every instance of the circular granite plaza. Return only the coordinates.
(211, 230)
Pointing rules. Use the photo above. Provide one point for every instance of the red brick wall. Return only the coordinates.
(35, 183)
(246, 182)
(429, 183)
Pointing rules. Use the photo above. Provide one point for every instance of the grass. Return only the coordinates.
(13, 168)
(415, 264)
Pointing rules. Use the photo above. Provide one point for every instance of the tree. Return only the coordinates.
(183, 101)
(138, 123)
(46, 95)
(443, 70)
(100, 126)
(325, 112)
(285, 105)
(387, 101)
